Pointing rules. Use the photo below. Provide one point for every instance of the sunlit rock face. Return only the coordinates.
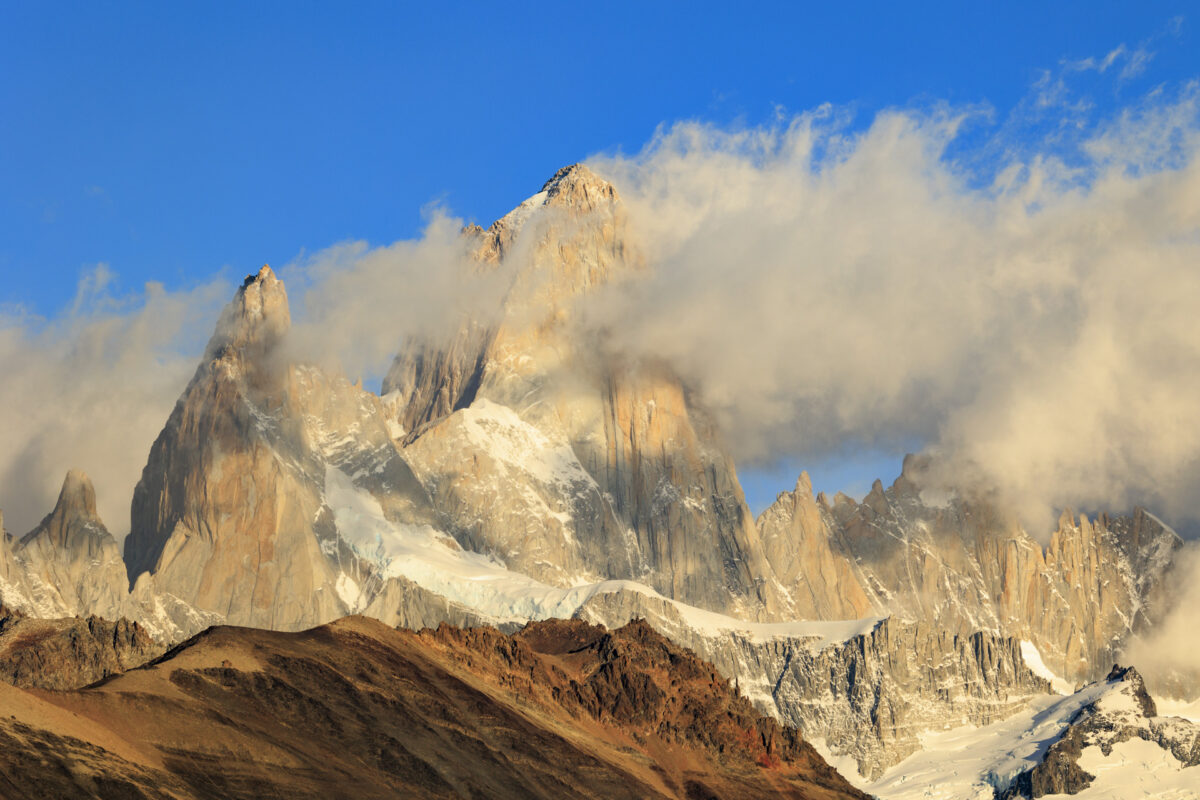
(809, 560)
(571, 467)
(557, 461)
(281, 496)
(210, 437)
(70, 567)
(527, 442)
(519, 456)
(230, 514)
(965, 565)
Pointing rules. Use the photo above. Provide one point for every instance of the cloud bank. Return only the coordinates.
(1164, 654)
(1019, 294)
(352, 305)
(92, 388)
(1036, 325)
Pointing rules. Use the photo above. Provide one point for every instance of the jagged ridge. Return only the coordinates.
(515, 441)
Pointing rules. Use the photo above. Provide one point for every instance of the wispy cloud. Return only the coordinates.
(1023, 303)
(1091, 63)
(353, 305)
(1161, 654)
(1136, 64)
(819, 286)
(91, 388)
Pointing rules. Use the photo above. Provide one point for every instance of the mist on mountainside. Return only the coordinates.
(819, 287)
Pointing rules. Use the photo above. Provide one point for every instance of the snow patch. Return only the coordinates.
(498, 431)
(348, 590)
(422, 554)
(523, 212)
(1033, 660)
(1119, 702)
(820, 633)
(1162, 524)
(1135, 768)
(844, 764)
(970, 762)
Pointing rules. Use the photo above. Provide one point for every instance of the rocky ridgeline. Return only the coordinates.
(71, 566)
(69, 653)
(631, 677)
(230, 512)
(868, 694)
(964, 565)
(568, 465)
(1123, 713)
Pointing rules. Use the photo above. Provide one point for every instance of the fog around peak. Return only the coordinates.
(1016, 295)
(1035, 327)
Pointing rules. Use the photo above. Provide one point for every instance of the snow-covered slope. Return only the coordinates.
(870, 683)
(1033, 658)
(1135, 769)
(515, 491)
(434, 561)
(972, 762)
(1104, 741)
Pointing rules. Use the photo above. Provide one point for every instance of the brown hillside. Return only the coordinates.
(357, 709)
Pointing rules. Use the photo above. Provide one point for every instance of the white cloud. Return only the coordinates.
(91, 389)
(1163, 655)
(820, 287)
(1136, 64)
(352, 305)
(1025, 307)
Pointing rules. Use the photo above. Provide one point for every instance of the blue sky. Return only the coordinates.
(175, 142)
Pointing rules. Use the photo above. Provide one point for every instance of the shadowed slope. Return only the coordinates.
(70, 652)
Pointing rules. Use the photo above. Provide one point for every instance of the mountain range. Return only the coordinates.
(517, 470)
